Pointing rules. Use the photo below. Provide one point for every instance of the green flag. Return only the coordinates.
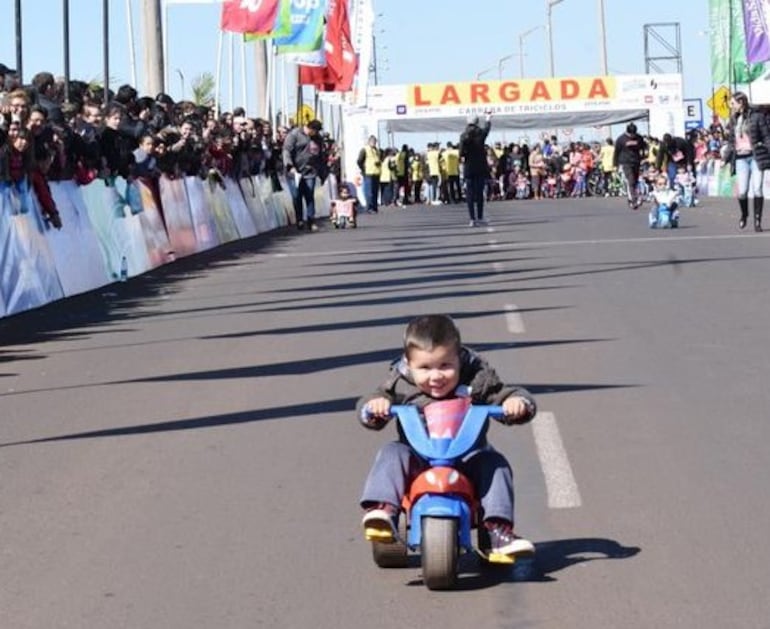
(728, 44)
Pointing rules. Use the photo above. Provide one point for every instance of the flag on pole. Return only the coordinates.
(281, 27)
(307, 27)
(729, 62)
(339, 71)
(755, 26)
(249, 16)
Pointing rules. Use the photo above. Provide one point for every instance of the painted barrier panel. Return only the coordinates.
(179, 222)
(244, 222)
(216, 202)
(252, 195)
(28, 276)
(206, 232)
(119, 230)
(273, 201)
(75, 247)
(159, 249)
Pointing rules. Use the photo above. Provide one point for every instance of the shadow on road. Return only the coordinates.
(552, 557)
(211, 421)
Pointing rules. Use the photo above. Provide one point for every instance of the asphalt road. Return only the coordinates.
(179, 451)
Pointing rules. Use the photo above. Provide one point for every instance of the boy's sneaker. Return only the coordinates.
(482, 221)
(505, 542)
(472, 223)
(381, 523)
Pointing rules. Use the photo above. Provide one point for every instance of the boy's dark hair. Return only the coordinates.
(429, 331)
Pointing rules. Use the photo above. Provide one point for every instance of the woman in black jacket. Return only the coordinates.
(745, 147)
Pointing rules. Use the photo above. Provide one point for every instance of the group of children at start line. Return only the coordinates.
(666, 200)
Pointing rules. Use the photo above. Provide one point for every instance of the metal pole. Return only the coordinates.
(164, 39)
(106, 48)
(66, 38)
(19, 55)
(155, 66)
(218, 79)
(549, 27)
(231, 77)
(244, 93)
(603, 39)
(131, 44)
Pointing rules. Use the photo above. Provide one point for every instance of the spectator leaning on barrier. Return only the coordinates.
(677, 152)
(304, 159)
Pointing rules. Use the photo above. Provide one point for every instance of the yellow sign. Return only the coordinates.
(503, 92)
(719, 102)
(305, 114)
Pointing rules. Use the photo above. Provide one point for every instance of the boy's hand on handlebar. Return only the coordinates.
(518, 410)
(376, 412)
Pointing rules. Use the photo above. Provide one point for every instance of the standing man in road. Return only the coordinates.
(475, 167)
(370, 163)
(629, 150)
(304, 159)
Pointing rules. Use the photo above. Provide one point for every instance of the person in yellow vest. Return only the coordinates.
(452, 160)
(388, 178)
(434, 173)
(607, 160)
(402, 175)
(417, 176)
(370, 163)
(443, 194)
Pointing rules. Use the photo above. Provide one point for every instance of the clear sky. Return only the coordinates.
(417, 40)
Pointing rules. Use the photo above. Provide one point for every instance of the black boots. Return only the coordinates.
(744, 205)
(758, 203)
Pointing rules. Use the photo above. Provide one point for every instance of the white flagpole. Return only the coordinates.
(244, 94)
(231, 78)
(218, 81)
(131, 46)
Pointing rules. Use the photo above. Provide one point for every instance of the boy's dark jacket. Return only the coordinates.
(475, 374)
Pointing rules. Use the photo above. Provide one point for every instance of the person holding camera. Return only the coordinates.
(475, 165)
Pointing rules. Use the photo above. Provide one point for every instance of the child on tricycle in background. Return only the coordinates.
(436, 366)
(346, 207)
(664, 212)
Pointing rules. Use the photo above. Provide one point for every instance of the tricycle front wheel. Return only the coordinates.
(439, 553)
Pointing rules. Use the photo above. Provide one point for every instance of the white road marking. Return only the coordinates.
(493, 244)
(560, 483)
(650, 240)
(513, 319)
(490, 230)
(498, 267)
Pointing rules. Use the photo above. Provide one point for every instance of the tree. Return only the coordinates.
(203, 89)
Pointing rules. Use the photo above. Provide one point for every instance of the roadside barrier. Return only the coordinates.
(114, 232)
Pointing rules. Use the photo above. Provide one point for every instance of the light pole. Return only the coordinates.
(522, 37)
(603, 38)
(181, 78)
(483, 72)
(549, 27)
(500, 65)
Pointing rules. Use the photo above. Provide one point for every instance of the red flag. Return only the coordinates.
(341, 62)
(249, 16)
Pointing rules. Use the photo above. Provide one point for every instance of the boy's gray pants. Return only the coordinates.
(396, 465)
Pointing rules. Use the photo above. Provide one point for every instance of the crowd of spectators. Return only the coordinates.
(86, 136)
(545, 169)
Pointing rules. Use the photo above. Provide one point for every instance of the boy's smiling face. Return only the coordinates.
(436, 372)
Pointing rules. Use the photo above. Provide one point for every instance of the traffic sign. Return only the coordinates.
(693, 113)
(720, 102)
